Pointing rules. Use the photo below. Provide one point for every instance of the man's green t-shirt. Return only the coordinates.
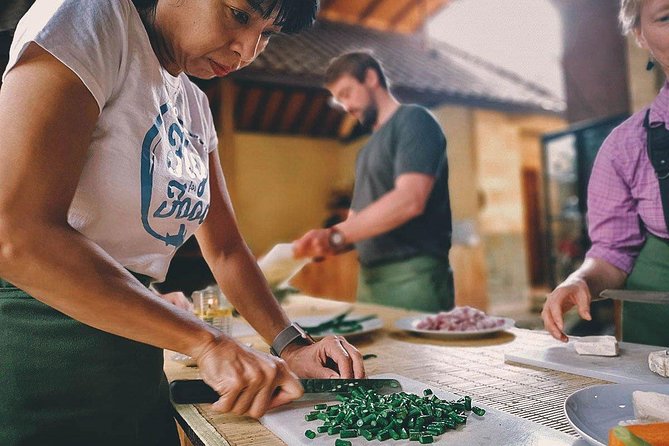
(411, 141)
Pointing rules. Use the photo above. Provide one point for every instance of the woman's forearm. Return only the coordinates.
(246, 288)
(62, 268)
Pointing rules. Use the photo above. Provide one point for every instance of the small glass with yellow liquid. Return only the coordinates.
(212, 307)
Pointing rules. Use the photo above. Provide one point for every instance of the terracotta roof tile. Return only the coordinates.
(432, 76)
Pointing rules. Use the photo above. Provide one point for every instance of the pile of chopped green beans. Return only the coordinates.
(338, 324)
(400, 416)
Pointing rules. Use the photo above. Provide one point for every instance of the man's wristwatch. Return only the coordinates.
(336, 240)
(290, 334)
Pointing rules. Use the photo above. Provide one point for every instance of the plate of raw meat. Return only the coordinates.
(460, 322)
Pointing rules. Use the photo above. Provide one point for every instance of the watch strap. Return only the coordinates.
(287, 336)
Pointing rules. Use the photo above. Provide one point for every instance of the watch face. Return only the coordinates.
(336, 239)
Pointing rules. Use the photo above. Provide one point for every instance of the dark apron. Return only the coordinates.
(648, 323)
(65, 383)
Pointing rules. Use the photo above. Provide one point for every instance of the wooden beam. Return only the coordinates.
(226, 134)
(293, 109)
(259, 110)
(332, 122)
(318, 101)
(250, 105)
(401, 14)
(296, 123)
(326, 4)
(369, 10)
(347, 125)
(284, 108)
(272, 109)
(320, 120)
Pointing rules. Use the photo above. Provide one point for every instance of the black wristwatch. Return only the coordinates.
(336, 240)
(290, 334)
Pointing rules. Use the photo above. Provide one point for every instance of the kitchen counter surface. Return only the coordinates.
(474, 367)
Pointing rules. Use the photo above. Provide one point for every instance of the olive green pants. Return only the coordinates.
(648, 323)
(65, 383)
(421, 283)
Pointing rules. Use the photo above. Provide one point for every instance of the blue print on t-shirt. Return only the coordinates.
(186, 175)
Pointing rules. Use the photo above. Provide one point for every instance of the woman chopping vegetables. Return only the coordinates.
(110, 164)
(628, 203)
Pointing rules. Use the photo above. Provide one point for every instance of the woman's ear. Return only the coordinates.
(640, 38)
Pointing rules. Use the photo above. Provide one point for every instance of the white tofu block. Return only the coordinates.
(651, 406)
(597, 346)
(658, 362)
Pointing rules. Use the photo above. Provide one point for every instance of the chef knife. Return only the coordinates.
(650, 297)
(196, 391)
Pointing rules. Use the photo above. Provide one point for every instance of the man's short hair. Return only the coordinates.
(355, 64)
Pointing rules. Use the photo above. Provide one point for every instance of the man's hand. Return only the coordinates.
(249, 382)
(571, 292)
(314, 243)
(179, 299)
(311, 361)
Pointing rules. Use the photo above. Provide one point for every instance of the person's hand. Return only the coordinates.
(249, 382)
(311, 361)
(314, 243)
(179, 299)
(571, 292)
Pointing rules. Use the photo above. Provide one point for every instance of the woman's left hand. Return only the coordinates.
(311, 361)
(178, 299)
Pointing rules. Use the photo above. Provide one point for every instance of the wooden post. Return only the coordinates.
(226, 134)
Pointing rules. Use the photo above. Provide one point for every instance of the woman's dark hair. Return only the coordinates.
(146, 8)
(292, 16)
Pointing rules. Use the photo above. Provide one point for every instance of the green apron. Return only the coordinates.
(648, 323)
(65, 383)
(421, 283)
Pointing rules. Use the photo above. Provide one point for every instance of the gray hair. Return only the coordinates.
(629, 16)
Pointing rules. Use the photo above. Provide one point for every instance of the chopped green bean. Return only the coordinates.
(348, 433)
(310, 434)
(478, 411)
(368, 414)
(383, 435)
(339, 442)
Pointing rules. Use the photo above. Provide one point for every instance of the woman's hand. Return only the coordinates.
(178, 299)
(573, 291)
(313, 361)
(249, 382)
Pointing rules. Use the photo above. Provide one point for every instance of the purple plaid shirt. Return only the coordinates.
(623, 193)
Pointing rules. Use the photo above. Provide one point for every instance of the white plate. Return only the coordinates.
(409, 324)
(367, 326)
(594, 410)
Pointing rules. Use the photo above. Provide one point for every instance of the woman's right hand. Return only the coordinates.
(573, 291)
(246, 380)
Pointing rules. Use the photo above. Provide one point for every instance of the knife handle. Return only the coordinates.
(192, 391)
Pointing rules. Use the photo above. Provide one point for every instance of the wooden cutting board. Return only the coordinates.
(630, 367)
(494, 427)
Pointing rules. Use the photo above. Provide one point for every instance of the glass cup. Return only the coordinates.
(211, 306)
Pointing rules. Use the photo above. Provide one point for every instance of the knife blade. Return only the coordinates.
(649, 297)
(196, 391)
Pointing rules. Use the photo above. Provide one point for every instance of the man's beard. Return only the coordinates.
(369, 116)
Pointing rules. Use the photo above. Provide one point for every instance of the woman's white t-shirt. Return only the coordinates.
(145, 185)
